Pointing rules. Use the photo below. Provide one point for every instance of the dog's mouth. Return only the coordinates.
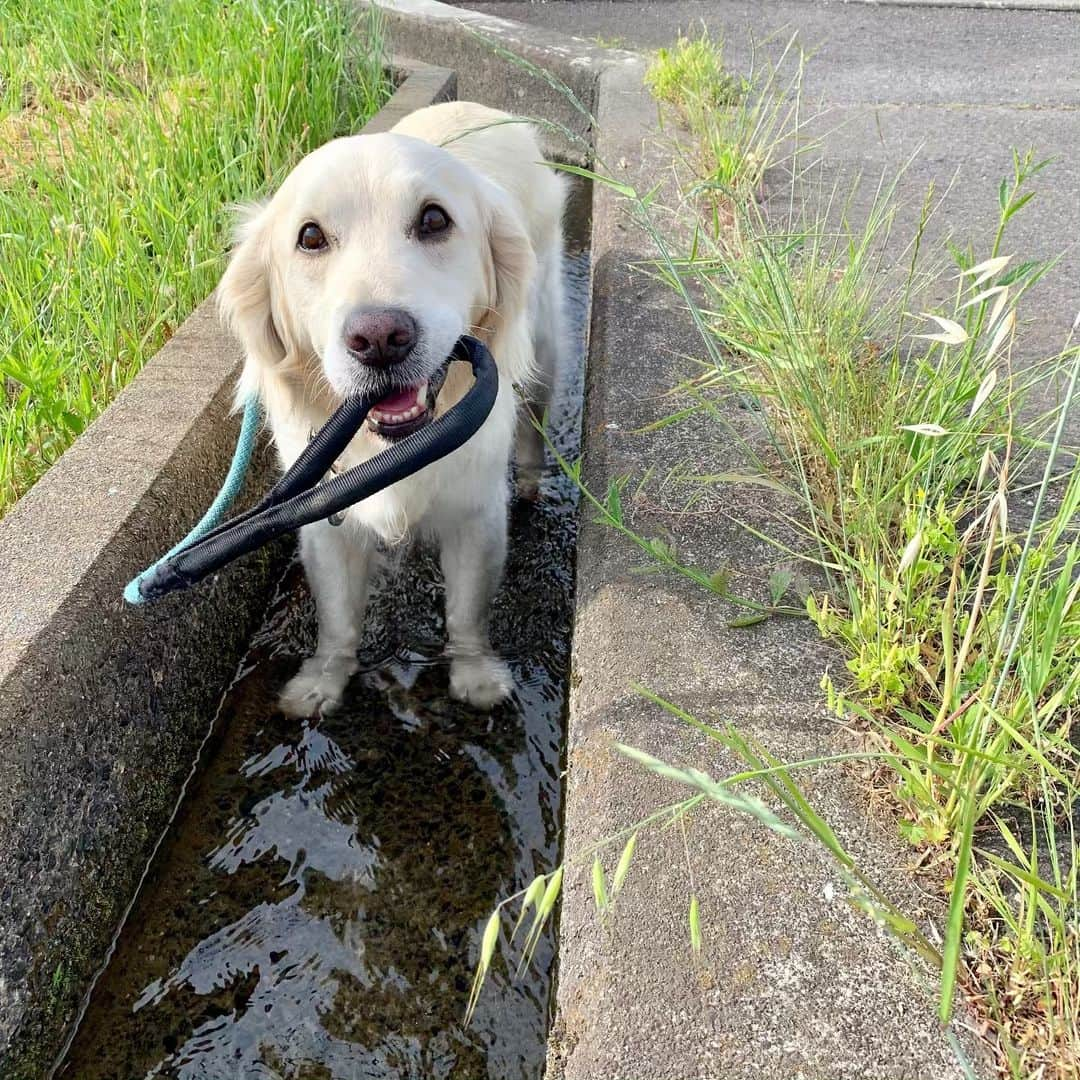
(406, 409)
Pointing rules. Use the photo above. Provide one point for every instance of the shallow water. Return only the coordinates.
(317, 908)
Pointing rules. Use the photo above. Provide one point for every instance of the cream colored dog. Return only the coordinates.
(377, 253)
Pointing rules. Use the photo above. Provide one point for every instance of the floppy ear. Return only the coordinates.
(513, 263)
(245, 301)
(512, 270)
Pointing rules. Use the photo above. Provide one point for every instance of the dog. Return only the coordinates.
(357, 276)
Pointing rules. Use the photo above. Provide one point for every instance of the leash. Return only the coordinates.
(234, 481)
(301, 496)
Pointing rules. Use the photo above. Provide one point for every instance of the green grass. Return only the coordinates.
(938, 499)
(127, 128)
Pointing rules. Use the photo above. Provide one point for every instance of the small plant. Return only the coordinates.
(691, 75)
(738, 127)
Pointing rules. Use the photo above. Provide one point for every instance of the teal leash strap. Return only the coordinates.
(234, 481)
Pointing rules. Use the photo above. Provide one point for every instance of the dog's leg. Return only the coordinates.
(473, 551)
(548, 342)
(529, 442)
(337, 561)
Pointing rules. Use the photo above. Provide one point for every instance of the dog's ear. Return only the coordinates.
(245, 299)
(512, 258)
(510, 274)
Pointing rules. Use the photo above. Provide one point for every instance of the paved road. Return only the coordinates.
(960, 85)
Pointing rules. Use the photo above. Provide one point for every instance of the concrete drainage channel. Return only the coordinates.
(314, 905)
(301, 897)
(319, 897)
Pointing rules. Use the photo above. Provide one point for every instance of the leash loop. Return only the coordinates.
(306, 493)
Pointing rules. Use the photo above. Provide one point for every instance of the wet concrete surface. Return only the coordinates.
(317, 908)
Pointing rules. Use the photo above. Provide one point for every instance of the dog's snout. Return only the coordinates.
(380, 338)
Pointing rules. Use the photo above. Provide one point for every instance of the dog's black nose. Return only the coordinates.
(380, 338)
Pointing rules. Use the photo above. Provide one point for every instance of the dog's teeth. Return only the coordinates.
(380, 416)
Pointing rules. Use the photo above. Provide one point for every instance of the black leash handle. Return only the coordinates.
(299, 498)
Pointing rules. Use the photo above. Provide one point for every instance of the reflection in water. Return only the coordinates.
(317, 909)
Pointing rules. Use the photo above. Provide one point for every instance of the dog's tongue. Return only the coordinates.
(399, 400)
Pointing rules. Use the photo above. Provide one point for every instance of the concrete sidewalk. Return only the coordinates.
(960, 85)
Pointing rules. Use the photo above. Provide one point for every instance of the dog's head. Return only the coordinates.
(376, 254)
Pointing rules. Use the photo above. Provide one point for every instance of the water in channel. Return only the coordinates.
(316, 911)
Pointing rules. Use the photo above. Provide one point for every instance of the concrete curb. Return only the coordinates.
(103, 708)
(479, 47)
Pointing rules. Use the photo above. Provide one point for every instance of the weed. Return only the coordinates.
(691, 74)
(738, 127)
(907, 445)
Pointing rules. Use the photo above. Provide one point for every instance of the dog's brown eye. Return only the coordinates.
(433, 220)
(311, 237)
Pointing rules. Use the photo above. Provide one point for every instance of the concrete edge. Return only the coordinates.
(561, 53)
(103, 708)
(506, 65)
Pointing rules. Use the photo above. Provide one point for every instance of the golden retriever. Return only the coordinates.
(375, 255)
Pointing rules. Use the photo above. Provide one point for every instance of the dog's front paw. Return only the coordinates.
(317, 688)
(482, 681)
